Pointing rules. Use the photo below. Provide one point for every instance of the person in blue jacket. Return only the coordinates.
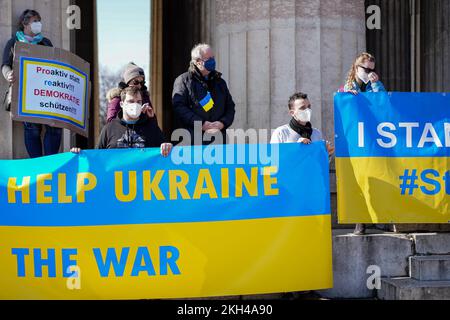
(363, 78)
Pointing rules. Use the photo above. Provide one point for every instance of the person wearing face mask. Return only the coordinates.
(133, 76)
(362, 76)
(132, 127)
(29, 31)
(299, 129)
(201, 95)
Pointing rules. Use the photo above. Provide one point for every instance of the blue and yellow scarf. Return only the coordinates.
(27, 39)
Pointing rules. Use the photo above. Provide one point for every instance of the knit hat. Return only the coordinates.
(132, 71)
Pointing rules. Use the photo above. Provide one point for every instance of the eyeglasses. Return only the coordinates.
(367, 70)
(136, 82)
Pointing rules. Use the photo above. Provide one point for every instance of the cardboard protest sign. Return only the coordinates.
(53, 88)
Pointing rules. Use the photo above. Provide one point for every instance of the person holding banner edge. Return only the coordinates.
(299, 128)
(132, 128)
(362, 78)
(29, 31)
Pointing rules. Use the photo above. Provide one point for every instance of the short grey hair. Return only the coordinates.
(198, 51)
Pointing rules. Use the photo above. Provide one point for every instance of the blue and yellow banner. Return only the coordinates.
(392, 157)
(130, 224)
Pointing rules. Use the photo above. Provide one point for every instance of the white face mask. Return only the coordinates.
(363, 76)
(303, 115)
(36, 27)
(133, 110)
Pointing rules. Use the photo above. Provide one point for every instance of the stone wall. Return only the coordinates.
(268, 49)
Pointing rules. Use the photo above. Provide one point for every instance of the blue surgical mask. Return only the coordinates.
(210, 64)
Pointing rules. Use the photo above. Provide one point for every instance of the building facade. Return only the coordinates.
(266, 49)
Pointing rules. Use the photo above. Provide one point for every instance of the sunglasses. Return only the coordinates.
(136, 82)
(367, 70)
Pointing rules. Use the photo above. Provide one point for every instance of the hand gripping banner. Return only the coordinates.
(130, 224)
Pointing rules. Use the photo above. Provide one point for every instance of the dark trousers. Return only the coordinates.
(33, 141)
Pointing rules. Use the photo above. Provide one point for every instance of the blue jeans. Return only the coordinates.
(33, 141)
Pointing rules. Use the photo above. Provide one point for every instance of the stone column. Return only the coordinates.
(269, 49)
(54, 17)
(6, 141)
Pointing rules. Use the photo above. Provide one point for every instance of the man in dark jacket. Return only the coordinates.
(201, 95)
(132, 128)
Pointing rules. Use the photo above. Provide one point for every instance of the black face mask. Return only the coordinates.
(305, 131)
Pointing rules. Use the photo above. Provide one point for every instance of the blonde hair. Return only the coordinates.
(351, 77)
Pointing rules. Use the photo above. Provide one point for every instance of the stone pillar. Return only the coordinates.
(269, 49)
(5, 120)
(53, 13)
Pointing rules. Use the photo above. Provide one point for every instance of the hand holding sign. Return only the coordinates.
(10, 77)
(52, 87)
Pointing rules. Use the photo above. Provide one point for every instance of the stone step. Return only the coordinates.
(356, 257)
(430, 268)
(412, 289)
(432, 243)
(422, 228)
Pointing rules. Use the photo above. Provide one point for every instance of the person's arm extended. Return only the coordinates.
(6, 71)
(7, 59)
(180, 102)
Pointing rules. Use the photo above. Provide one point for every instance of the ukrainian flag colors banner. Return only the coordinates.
(392, 157)
(130, 224)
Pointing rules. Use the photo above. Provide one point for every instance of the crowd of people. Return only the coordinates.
(199, 95)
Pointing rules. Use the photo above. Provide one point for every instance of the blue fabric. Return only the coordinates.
(384, 116)
(371, 87)
(302, 182)
(33, 141)
(24, 38)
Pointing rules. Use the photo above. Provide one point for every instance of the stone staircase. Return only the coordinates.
(413, 266)
(429, 273)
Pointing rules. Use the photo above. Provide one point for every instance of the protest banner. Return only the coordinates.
(131, 224)
(53, 88)
(392, 157)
